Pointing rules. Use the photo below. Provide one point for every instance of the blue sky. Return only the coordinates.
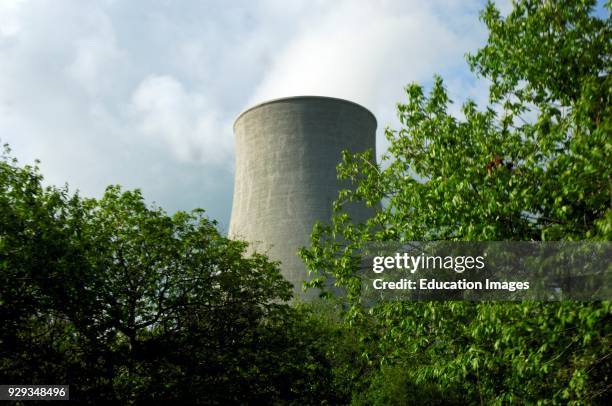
(144, 93)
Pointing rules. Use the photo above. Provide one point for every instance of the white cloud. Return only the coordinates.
(9, 18)
(96, 54)
(144, 93)
(183, 120)
(363, 52)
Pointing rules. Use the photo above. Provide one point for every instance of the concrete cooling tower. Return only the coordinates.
(286, 156)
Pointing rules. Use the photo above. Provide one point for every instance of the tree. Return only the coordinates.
(35, 251)
(533, 165)
(126, 303)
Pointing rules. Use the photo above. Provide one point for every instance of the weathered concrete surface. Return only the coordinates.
(286, 156)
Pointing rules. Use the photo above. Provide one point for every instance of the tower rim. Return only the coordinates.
(314, 97)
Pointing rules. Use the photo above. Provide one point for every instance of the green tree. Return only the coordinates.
(126, 303)
(35, 252)
(533, 165)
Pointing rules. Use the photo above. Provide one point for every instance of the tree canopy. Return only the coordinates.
(126, 303)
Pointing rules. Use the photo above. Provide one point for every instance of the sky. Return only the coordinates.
(144, 93)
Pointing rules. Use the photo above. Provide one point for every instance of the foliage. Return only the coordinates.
(493, 353)
(126, 303)
(533, 165)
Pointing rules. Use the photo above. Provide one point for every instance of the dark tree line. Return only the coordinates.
(126, 303)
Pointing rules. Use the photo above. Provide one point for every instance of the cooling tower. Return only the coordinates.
(286, 156)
